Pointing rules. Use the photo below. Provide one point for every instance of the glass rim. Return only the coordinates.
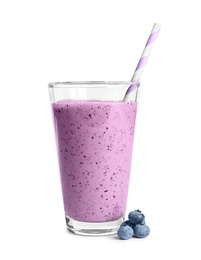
(92, 84)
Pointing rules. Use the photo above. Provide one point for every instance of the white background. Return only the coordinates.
(43, 41)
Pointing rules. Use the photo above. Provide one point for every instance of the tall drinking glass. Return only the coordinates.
(94, 132)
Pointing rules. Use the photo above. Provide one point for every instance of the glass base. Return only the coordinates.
(93, 228)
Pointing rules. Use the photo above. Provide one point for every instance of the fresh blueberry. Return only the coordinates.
(125, 232)
(141, 231)
(136, 217)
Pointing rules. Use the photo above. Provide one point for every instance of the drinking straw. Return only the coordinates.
(142, 62)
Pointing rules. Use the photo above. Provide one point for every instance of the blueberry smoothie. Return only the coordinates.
(94, 141)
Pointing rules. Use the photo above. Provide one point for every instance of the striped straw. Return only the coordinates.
(142, 62)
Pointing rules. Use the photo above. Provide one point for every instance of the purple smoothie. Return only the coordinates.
(94, 142)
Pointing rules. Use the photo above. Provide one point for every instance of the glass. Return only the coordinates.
(94, 132)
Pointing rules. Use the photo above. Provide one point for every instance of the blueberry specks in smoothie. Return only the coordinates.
(94, 140)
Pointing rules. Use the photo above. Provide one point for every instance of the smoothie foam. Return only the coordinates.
(94, 142)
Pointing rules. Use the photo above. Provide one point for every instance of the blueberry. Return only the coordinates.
(141, 231)
(125, 232)
(136, 217)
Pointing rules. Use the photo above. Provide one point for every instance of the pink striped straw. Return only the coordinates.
(142, 62)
